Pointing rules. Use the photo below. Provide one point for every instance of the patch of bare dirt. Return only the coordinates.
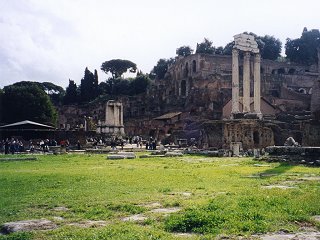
(291, 236)
(61, 209)
(151, 205)
(135, 218)
(89, 224)
(166, 210)
(278, 186)
(27, 225)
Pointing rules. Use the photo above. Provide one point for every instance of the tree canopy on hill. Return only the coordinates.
(117, 67)
(27, 101)
(55, 92)
(304, 49)
(161, 68)
(184, 51)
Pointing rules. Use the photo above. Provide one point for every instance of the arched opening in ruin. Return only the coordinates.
(281, 71)
(194, 66)
(256, 138)
(183, 88)
(273, 71)
(291, 71)
(302, 90)
(186, 70)
(261, 70)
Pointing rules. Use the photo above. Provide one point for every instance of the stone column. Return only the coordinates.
(121, 114)
(235, 81)
(246, 82)
(114, 115)
(256, 80)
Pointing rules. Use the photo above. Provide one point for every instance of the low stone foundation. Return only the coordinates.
(310, 155)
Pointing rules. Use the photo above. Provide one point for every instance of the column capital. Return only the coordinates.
(235, 51)
(257, 57)
(247, 54)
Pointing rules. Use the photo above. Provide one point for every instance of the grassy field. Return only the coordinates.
(215, 196)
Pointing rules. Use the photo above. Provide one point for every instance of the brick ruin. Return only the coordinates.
(194, 102)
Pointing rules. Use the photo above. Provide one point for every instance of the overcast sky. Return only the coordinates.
(54, 40)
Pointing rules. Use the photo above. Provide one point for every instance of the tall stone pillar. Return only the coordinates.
(235, 81)
(256, 80)
(246, 82)
(121, 114)
(114, 120)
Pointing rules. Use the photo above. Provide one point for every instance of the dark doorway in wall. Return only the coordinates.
(183, 88)
(194, 66)
(256, 138)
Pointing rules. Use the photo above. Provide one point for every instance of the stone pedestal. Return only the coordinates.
(235, 148)
(113, 123)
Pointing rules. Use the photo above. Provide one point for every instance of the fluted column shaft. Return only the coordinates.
(246, 82)
(257, 80)
(235, 81)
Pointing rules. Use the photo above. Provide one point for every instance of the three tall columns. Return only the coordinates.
(246, 82)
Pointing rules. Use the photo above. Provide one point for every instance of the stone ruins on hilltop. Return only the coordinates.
(216, 101)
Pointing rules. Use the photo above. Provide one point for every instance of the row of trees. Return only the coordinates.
(269, 46)
(90, 88)
(302, 50)
(29, 100)
(35, 101)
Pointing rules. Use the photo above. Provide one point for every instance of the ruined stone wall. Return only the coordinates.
(201, 84)
(315, 99)
(201, 81)
(252, 134)
(311, 134)
(73, 116)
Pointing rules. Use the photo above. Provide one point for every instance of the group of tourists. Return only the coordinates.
(11, 146)
(14, 145)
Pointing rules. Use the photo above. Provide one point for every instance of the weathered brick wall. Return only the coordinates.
(315, 100)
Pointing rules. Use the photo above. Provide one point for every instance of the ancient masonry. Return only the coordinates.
(247, 44)
(223, 100)
(113, 123)
(315, 101)
(241, 131)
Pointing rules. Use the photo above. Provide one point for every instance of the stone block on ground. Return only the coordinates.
(129, 155)
(27, 225)
(151, 156)
(158, 152)
(112, 157)
(174, 154)
(18, 159)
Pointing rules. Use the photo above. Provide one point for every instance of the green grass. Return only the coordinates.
(226, 198)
